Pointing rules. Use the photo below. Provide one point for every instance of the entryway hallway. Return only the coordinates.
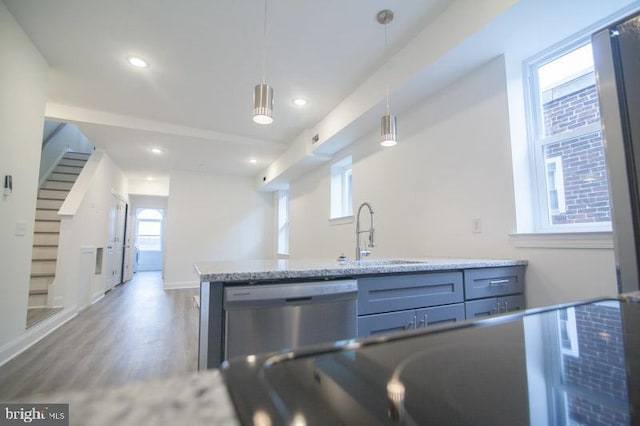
(138, 331)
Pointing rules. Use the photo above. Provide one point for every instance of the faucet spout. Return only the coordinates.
(371, 231)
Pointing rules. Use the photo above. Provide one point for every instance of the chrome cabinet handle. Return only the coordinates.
(506, 306)
(498, 282)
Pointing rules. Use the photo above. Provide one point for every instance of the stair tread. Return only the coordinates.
(46, 232)
(47, 220)
(54, 189)
(45, 245)
(34, 292)
(42, 274)
(53, 259)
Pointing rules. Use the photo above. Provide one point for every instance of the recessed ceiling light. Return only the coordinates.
(149, 178)
(156, 150)
(253, 160)
(299, 101)
(137, 62)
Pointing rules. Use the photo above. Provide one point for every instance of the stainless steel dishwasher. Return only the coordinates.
(264, 318)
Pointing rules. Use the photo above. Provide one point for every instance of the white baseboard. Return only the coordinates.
(34, 334)
(181, 284)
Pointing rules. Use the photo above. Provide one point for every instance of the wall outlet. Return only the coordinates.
(476, 225)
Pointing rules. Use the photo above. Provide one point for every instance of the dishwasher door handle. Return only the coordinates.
(297, 299)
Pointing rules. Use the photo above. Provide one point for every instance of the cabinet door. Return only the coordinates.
(377, 324)
(481, 308)
(511, 303)
(399, 292)
(440, 315)
(490, 282)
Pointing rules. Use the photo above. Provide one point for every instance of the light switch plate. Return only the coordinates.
(21, 229)
(476, 225)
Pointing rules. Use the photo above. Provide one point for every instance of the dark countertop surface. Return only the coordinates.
(572, 364)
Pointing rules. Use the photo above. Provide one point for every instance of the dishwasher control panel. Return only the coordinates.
(303, 290)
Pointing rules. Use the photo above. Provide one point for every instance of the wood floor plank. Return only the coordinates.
(137, 332)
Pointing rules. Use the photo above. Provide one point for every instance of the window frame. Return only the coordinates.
(536, 140)
(142, 220)
(283, 223)
(341, 191)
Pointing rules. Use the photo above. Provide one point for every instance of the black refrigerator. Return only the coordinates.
(616, 51)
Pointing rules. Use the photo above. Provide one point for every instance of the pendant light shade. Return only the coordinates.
(263, 104)
(388, 136)
(263, 93)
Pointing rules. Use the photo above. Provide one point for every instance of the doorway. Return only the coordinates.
(149, 230)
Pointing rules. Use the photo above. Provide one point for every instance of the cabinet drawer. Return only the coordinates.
(440, 315)
(489, 282)
(493, 306)
(391, 322)
(399, 292)
(373, 325)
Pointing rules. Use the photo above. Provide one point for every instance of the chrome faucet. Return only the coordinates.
(360, 250)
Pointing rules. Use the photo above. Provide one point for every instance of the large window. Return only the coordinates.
(566, 142)
(341, 189)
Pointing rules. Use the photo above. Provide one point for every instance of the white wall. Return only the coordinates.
(86, 225)
(69, 138)
(23, 74)
(141, 186)
(452, 164)
(214, 218)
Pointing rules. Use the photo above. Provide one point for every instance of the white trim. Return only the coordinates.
(344, 220)
(563, 240)
(176, 285)
(34, 334)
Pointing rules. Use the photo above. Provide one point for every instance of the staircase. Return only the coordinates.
(46, 230)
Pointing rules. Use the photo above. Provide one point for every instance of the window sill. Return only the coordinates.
(564, 240)
(345, 220)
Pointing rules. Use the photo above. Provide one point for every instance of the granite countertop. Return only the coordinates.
(195, 399)
(262, 270)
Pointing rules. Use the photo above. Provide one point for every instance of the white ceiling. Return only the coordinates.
(205, 56)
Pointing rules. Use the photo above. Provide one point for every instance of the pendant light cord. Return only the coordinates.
(264, 46)
(386, 66)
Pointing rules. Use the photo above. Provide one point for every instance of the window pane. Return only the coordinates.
(580, 183)
(568, 94)
(149, 214)
(149, 243)
(148, 227)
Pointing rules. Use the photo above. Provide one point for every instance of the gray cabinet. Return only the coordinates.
(493, 291)
(398, 292)
(493, 306)
(388, 304)
(488, 282)
(410, 319)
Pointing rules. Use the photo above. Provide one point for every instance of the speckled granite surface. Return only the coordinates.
(257, 270)
(197, 399)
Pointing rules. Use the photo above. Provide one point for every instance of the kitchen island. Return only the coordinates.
(516, 369)
(392, 294)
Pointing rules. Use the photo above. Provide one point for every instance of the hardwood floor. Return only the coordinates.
(136, 332)
(35, 315)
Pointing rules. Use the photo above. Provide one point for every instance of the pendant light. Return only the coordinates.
(263, 93)
(388, 134)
